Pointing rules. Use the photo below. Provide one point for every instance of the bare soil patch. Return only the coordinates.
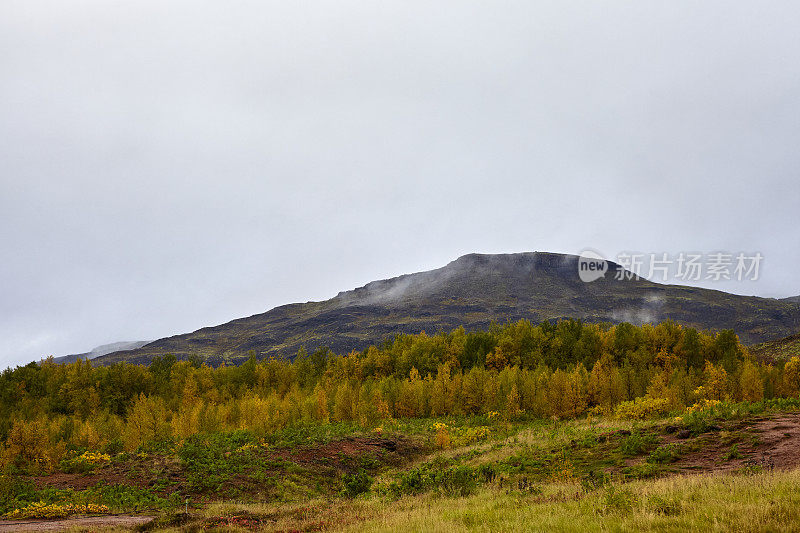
(339, 454)
(88, 522)
(762, 442)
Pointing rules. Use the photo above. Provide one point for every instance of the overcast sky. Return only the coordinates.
(166, 166)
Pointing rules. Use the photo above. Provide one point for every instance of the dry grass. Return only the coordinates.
(766, 501)
(761, 502)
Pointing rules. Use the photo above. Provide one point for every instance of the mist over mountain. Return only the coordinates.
(473, 291)
(100, 351)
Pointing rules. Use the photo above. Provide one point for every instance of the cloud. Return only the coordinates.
(168, 166)
(649, 311)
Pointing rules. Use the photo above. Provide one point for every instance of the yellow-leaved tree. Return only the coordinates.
(750, 383)
(147, 422)
(30, 448)
(512, 408)
(410, 401)
(715, 382)
(791, 377)
(606, 388)
(321, 411)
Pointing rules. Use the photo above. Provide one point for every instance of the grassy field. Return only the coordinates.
(763, 501)
(727, 467)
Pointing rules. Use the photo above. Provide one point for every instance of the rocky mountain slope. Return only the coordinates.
(473, 291)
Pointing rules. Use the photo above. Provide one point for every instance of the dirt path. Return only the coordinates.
(763, 442)
(89, 522)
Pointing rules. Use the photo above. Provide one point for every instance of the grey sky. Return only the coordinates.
(171, 165)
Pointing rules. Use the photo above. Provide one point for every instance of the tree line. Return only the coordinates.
(566, 369)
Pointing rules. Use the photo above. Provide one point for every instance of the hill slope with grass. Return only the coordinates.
(473, 291)
(781, 349)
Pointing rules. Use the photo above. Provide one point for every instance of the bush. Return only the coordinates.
(641, 471)
(355, 484)
(86, 462)
(127, 498)
(438, 476)
(487, 473)
(114, 447)
(636, 443)
(593, 481)
(55, 510)
(641, 408)
(210, 460)
(14, 492)
(619, 500)
(668, 453)
(665, 506)
(732, 453)
(457, 481)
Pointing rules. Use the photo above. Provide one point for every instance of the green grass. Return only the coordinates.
(598, 474)
(733, 502)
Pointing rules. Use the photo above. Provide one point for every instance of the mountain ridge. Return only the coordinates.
(100, 351)
(472, 291)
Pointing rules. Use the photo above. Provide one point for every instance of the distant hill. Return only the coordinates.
(100, 351)
(776, 350)
(473, 291)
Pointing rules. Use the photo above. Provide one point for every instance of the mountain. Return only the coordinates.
(100, 351)
(473, 291)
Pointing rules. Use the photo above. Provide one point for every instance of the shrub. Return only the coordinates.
(355, 484)
(13, 491)
(662, 505)
(56, 510)
(665, 454)
(619, 500)
(210, 460)
(446, 436)
(125, 497)
(636, 443)
(641, 408)
(562, 470)
(457, 481)
(641, 471)
(438, 476)
(593, 481)
(114, 447)
(86, 462)
(487, 473)
(442, 435)
(732, 453)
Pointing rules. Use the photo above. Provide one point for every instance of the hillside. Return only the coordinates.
(100, 351)
(473, 291)
(777, 350)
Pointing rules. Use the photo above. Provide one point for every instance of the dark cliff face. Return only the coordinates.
(473, 291)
